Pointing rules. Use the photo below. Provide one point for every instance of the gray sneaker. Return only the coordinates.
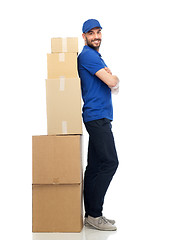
(109, 220)
(101, 223)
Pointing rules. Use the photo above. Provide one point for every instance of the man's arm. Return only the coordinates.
(107, 77)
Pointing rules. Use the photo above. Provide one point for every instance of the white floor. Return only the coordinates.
(86, 234)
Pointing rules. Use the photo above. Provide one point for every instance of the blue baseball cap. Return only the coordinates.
(89, 24)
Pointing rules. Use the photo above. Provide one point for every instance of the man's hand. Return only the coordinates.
(117, 85)
(112, 81)
(115, 90)
(108, 70)
(106, 76)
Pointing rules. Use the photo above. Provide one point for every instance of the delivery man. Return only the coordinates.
(97, 82)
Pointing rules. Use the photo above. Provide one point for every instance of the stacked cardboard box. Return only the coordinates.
(57, 164)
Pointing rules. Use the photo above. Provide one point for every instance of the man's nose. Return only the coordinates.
(96, 35)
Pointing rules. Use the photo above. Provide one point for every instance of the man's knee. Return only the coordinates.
(112, 167)
(115, 165)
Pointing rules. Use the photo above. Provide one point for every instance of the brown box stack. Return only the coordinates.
(63, 92)
(57, 157)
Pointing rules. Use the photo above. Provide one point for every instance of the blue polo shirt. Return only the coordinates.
(95, 93)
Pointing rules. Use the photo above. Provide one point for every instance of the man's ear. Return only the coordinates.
(84, 37)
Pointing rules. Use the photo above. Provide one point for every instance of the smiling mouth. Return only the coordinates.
(96, 41)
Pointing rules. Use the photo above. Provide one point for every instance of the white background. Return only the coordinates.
(138, 46)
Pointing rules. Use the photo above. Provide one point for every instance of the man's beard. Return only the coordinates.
(90, 44)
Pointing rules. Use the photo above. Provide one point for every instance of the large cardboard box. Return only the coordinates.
(62, 64)
(63, 98)
(57, 159)
(69, 44)
(57, 208)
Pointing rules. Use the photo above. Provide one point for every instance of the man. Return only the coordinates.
(96, 83)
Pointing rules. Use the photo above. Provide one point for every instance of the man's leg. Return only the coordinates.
(102, 165)
(90, 176)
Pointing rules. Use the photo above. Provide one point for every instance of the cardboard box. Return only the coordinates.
(57, 208)
(69, 44)
(64, 114)
(57, 159)
(62, 64)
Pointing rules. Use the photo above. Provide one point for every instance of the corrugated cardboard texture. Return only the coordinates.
(62, 64)
(57, 159)
(69, 44)
(64, 114)
(57, 208)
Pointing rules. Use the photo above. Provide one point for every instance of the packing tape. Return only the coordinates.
(61, 57)
(62, 83)
(64, 44)
(64, 127)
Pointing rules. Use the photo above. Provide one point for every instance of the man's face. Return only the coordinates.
(93, 38)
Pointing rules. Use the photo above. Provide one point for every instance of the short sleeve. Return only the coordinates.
(92, 62)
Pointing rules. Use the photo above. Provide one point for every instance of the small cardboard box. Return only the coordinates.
(69, 44)
(57, 208)
(63, 98)
(62, 64)
(57, 159)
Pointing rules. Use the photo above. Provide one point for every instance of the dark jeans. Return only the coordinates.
(102, 165)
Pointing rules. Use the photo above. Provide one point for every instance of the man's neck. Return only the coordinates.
(96, 49)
